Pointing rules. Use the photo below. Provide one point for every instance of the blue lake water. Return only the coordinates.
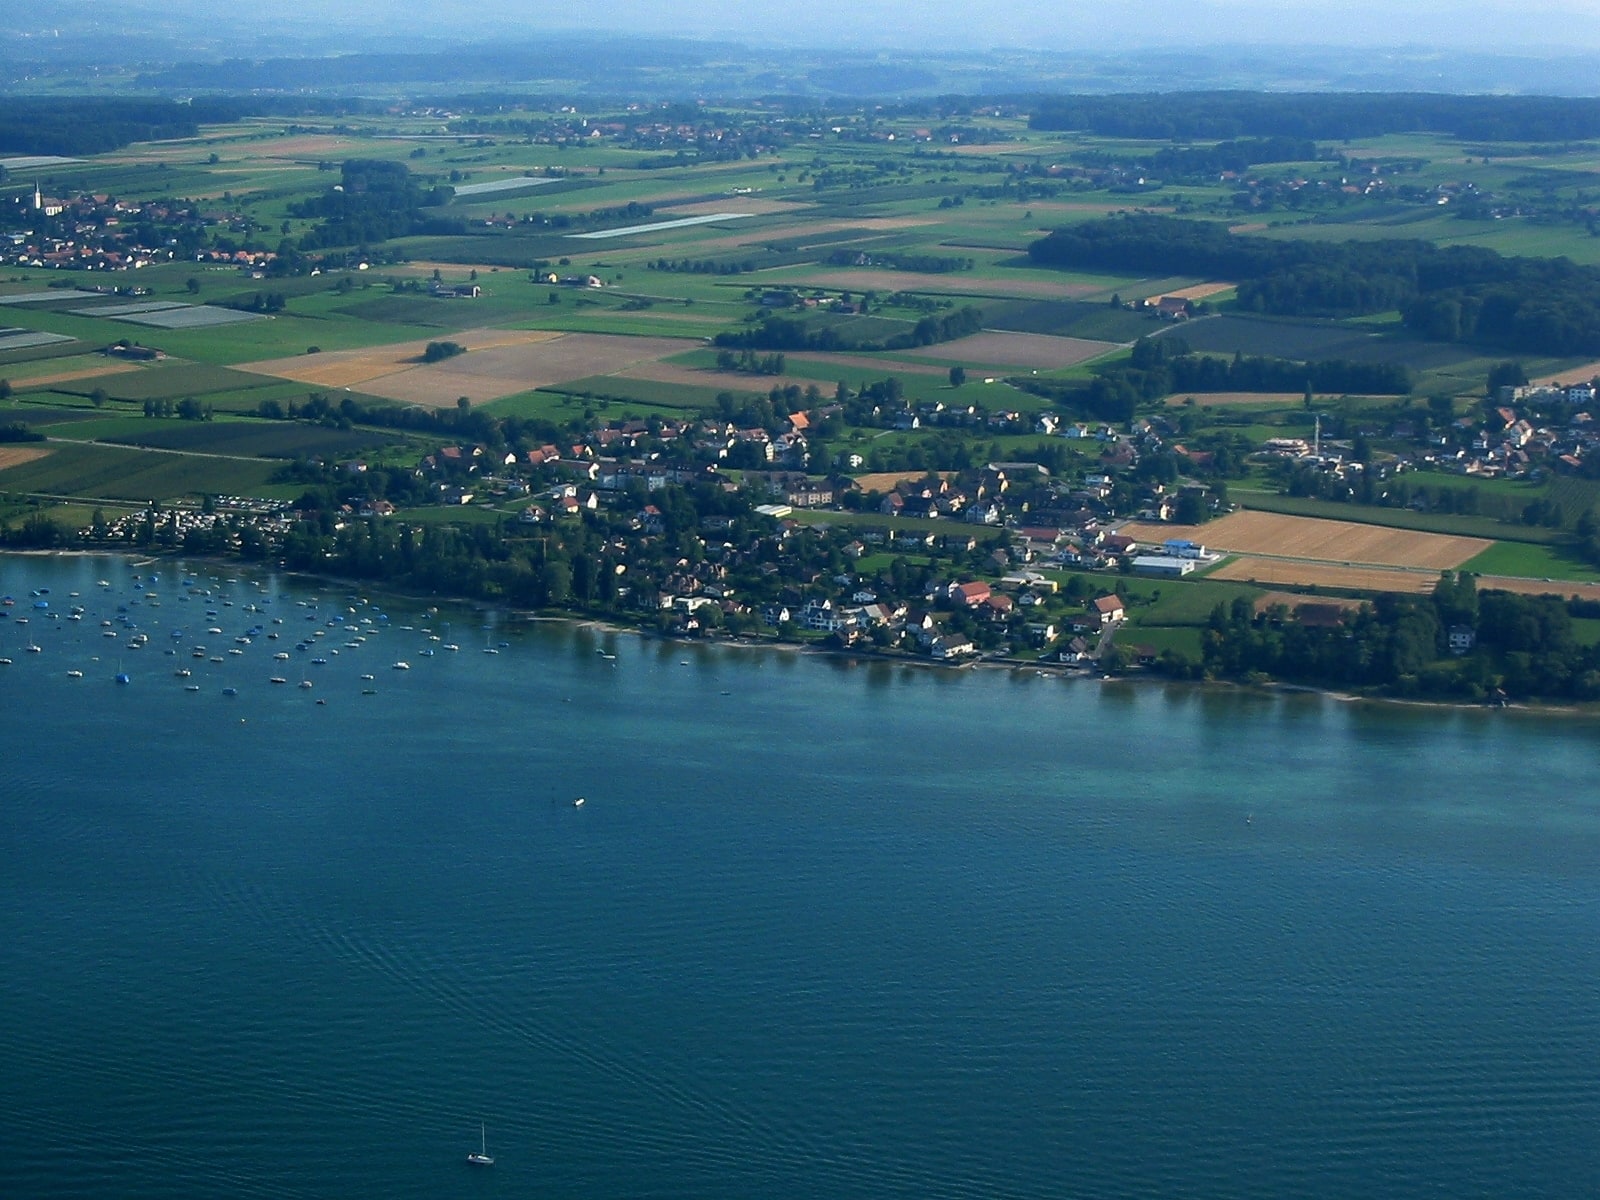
(820, 929)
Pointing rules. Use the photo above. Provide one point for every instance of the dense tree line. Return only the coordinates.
(80, 125)
(1453, 293)
(374, 201)
(1209, 115)
(1523, 646)
(19, 431)
(1204, 163)
(1162, 366)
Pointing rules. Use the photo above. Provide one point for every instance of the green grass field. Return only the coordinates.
(1397, 518)
(115, 473)
(167, 381)
(1532, 562)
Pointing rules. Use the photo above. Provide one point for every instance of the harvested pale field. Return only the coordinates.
(1042, 351)
(15, 456)
(1248, 227)
(721, 381)
(886, 481)
(348, 368)
(488, 374)
(110, 368)
(1290, 573)
(1340, 543)
(957, 283)
(1239, 399)
(1201, 290)
(1573, 375)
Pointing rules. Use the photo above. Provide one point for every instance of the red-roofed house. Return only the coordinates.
(967, 595)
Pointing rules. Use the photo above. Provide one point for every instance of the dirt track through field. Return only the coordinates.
(1333, 543)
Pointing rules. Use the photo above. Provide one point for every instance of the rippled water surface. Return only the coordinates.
(819, 929)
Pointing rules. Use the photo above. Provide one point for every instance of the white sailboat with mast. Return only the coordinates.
(482, 1157)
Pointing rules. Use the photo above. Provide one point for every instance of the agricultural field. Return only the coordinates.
(1276, 337)
(92, 472)
(1526, 561)
(1038, 351)
(1318, 575)
(242, 439)
(1339, 542)
(15, 456)
(495, 364)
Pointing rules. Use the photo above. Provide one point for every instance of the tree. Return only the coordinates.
(1505, 374)
(193, 285)
(958, 376)
(98, 397)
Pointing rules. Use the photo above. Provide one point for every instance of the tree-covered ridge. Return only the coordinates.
(1209, 115)
(1450, 293)
(1206, 163)
(74, 125)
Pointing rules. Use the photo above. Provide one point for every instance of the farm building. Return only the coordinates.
(1164, 565)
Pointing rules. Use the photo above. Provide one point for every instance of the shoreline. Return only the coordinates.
(1049, 670)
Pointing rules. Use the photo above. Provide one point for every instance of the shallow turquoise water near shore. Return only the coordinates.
(820, 929)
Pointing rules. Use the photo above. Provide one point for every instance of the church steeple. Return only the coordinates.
(38, 197)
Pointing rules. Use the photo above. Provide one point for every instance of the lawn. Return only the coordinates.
(1183, 639)
(1532, 562)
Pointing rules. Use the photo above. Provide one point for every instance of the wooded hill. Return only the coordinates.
(1209, 115)
(1450, 293)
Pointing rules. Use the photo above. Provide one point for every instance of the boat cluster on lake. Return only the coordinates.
(210, 633)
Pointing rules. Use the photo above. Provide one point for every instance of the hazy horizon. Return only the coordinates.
(1549, 27)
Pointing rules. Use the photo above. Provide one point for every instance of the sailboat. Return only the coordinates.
(482, 1158)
